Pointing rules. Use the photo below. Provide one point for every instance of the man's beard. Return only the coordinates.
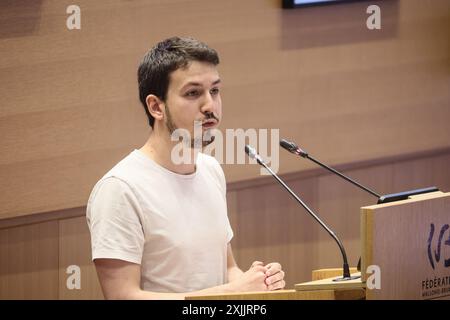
(196, 142)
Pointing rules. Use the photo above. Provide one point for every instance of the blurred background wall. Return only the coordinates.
(373, 103)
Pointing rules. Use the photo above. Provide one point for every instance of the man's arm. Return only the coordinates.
(233, 271)
(121, 280)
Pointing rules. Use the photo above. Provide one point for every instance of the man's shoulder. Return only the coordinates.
(121, 174)
(208, 158)
(125, 167)
(210, 162)
(211, 165)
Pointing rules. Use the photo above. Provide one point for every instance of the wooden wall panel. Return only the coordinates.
(29, 261)
(52, 185)
(75, 249)
(70, 109)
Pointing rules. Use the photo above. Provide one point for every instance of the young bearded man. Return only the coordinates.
(159, 228)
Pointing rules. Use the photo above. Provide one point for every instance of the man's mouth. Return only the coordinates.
(209, 123)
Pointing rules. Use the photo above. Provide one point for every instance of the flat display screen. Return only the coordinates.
(287, 4)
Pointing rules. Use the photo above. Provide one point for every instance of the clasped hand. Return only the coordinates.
(274, 275)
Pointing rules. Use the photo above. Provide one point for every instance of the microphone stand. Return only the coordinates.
(346, 269)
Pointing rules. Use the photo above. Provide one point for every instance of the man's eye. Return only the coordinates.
(192, 93)
(214, 91)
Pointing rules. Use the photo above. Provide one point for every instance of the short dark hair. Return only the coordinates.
(163, 59)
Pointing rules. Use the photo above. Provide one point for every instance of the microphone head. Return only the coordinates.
(251, 152)
(293, 148)
(288, 145)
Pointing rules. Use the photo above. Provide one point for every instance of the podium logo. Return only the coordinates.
(436, 254)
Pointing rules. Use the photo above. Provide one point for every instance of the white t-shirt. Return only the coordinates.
(175, 226)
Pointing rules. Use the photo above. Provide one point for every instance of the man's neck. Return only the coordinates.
(159, 148)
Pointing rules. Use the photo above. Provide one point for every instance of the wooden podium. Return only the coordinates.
(409, 241)
(405, 249)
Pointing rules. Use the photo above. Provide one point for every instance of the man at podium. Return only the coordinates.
(160, 229)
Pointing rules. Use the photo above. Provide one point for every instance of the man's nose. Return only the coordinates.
(208, 104)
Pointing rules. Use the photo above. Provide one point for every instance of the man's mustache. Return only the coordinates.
(211, 115)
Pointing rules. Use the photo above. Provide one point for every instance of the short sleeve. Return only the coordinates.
(113, 217)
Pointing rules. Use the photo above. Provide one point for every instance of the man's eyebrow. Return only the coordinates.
(198, 84)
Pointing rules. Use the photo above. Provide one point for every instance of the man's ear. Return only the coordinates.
(155, 106)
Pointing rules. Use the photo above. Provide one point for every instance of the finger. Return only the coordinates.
(275, 278)
(274, 265)
(273, 268)
(259, 268)
(280, 284)
(256, 263)
(277, 285)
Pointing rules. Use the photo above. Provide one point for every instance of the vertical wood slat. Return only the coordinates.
(29, 261)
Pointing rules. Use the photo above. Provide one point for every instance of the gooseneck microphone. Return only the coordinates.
(251, 152)
(295, 149)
